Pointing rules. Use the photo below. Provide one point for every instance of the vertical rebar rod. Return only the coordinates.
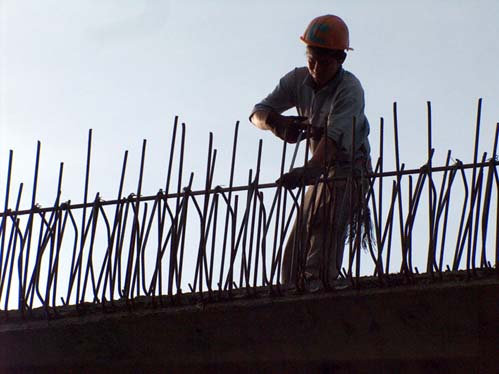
(15, 233)
(469, 257)
(245, 227)
(380, 187)
(158, 274)
(254, 214)
(5, 216)
(475, 226)
(135, 242)
(201, 257)
(173, 275)
(494, 158)
(213, 239)
(399, 193)
(229, 199)
(183, 228)
(83, 219)
(89, 271)
(276, 243)
(461, 235)
(28, 234)
(443, 204)
(431, 203)
(487, 200)
(115, 233)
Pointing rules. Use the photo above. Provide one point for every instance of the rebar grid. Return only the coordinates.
(216, 240)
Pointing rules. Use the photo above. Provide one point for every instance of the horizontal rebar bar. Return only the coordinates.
(219, 189)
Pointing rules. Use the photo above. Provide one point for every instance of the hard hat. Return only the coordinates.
(327, 31)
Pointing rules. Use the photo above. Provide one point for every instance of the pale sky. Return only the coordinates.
(126, 68)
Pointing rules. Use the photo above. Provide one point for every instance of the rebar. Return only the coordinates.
(159, 245)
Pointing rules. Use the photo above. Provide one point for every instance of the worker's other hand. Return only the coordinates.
(286, 127)
(312, 132)
(299, 177)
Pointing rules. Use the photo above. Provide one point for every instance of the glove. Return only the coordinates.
(285, 127)
(314, 132)
(299, 177)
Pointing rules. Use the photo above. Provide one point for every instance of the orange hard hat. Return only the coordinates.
(327, 31)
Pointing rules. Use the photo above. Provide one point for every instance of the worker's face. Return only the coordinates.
(322, 68)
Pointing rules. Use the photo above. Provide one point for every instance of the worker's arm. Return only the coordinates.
(259, 119)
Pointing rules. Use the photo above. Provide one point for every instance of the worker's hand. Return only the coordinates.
(286, 127)
(300, 176)
(312, 132)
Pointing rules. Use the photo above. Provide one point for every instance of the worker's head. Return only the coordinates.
(323, 64)
(327, 40)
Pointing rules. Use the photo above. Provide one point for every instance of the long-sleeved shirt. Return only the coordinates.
(339, 105)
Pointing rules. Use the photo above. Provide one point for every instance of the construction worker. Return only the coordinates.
(326, 97)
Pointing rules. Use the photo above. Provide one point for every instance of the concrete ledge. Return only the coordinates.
(441, 327)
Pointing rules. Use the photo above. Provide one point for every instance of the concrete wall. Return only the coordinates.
(443, 327)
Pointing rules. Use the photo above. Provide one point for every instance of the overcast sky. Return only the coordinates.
(126, 68)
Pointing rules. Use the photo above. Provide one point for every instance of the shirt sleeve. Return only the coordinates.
(282, 98)
(347, 110)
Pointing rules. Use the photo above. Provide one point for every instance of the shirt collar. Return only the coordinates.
(308, 81)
